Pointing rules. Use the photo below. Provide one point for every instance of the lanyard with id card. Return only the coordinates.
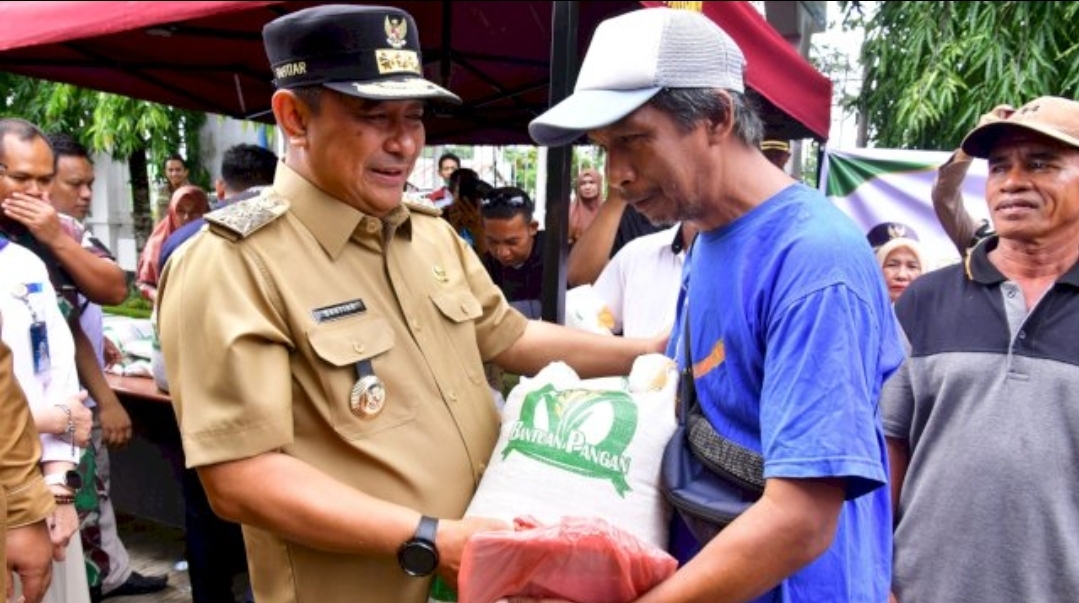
(39, 334)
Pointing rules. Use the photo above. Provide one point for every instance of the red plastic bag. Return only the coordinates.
(583, 559)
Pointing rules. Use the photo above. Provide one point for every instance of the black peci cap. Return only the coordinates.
(886, 231)
(372, 52)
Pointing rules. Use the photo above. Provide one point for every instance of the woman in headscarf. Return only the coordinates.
(588, 196)
(899, 254)
(188, 203)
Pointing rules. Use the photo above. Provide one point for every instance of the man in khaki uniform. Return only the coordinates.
(325, 342)
(25, 501)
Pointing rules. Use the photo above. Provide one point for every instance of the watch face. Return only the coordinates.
(69, 479)
(73, 480)
(418, 558)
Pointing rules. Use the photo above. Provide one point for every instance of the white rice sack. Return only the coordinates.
(573, 447)
(130, 335)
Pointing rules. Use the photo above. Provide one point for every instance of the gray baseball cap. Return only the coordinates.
(634, 56)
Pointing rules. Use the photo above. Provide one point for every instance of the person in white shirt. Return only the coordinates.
(640, 284)
(44, 360)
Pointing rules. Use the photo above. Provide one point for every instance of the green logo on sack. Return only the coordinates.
(579, 430)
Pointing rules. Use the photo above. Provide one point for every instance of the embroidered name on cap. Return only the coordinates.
(291, 70)
(337, 311)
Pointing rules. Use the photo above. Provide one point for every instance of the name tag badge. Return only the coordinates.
(39, 347)
(338, 311)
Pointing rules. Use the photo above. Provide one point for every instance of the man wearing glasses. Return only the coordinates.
(514, 256)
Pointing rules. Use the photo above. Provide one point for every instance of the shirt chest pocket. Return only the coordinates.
(459, 310)
(458, 306)
(349, 350)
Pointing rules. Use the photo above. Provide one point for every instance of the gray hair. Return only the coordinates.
(690, 106)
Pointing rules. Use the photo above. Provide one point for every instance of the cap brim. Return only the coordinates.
(397, 88)
(586, 110)
(980, 140)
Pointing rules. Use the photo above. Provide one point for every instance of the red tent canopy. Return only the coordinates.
(208, 56)
(774, 68)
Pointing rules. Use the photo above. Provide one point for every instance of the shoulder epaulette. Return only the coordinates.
(238, 220)
(421, 205)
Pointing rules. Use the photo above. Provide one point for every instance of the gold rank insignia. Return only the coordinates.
(395, 61)
(240, 219)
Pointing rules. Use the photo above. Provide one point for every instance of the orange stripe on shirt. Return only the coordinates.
(711, 361)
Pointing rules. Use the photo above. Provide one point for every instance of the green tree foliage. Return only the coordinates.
(135, 131)
(932, 68)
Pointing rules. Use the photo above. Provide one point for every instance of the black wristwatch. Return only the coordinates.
(419, 557)
(69, 479)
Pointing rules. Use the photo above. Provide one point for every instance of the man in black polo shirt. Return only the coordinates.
(514, 256)
(981, 418)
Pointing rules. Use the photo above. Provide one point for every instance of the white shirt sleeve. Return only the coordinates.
(63, 378)
(610, 286)
(20, 267)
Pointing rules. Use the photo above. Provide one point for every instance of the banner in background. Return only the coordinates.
(889, 185)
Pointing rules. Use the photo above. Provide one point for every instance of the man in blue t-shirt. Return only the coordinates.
(791, 334)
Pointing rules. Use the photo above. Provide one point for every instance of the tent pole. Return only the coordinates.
(563, 77)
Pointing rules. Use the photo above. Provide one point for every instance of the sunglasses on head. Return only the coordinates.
(511, 200)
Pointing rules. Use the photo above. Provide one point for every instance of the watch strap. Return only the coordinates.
(70, 480)
(57, 479)
(427, 530)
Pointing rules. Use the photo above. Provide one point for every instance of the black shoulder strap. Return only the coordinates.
(687, 390)
(719, 454)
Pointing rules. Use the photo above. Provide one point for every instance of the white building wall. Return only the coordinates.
(219, 133)
(110, 210)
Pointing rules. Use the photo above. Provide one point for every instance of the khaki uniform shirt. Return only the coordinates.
(262, 333)
(24, 498)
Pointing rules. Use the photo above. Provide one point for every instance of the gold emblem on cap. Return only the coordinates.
(690, 6)
(896, 231)
(440, 274)
(396, 30)
(368, 397)
(393, 61)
